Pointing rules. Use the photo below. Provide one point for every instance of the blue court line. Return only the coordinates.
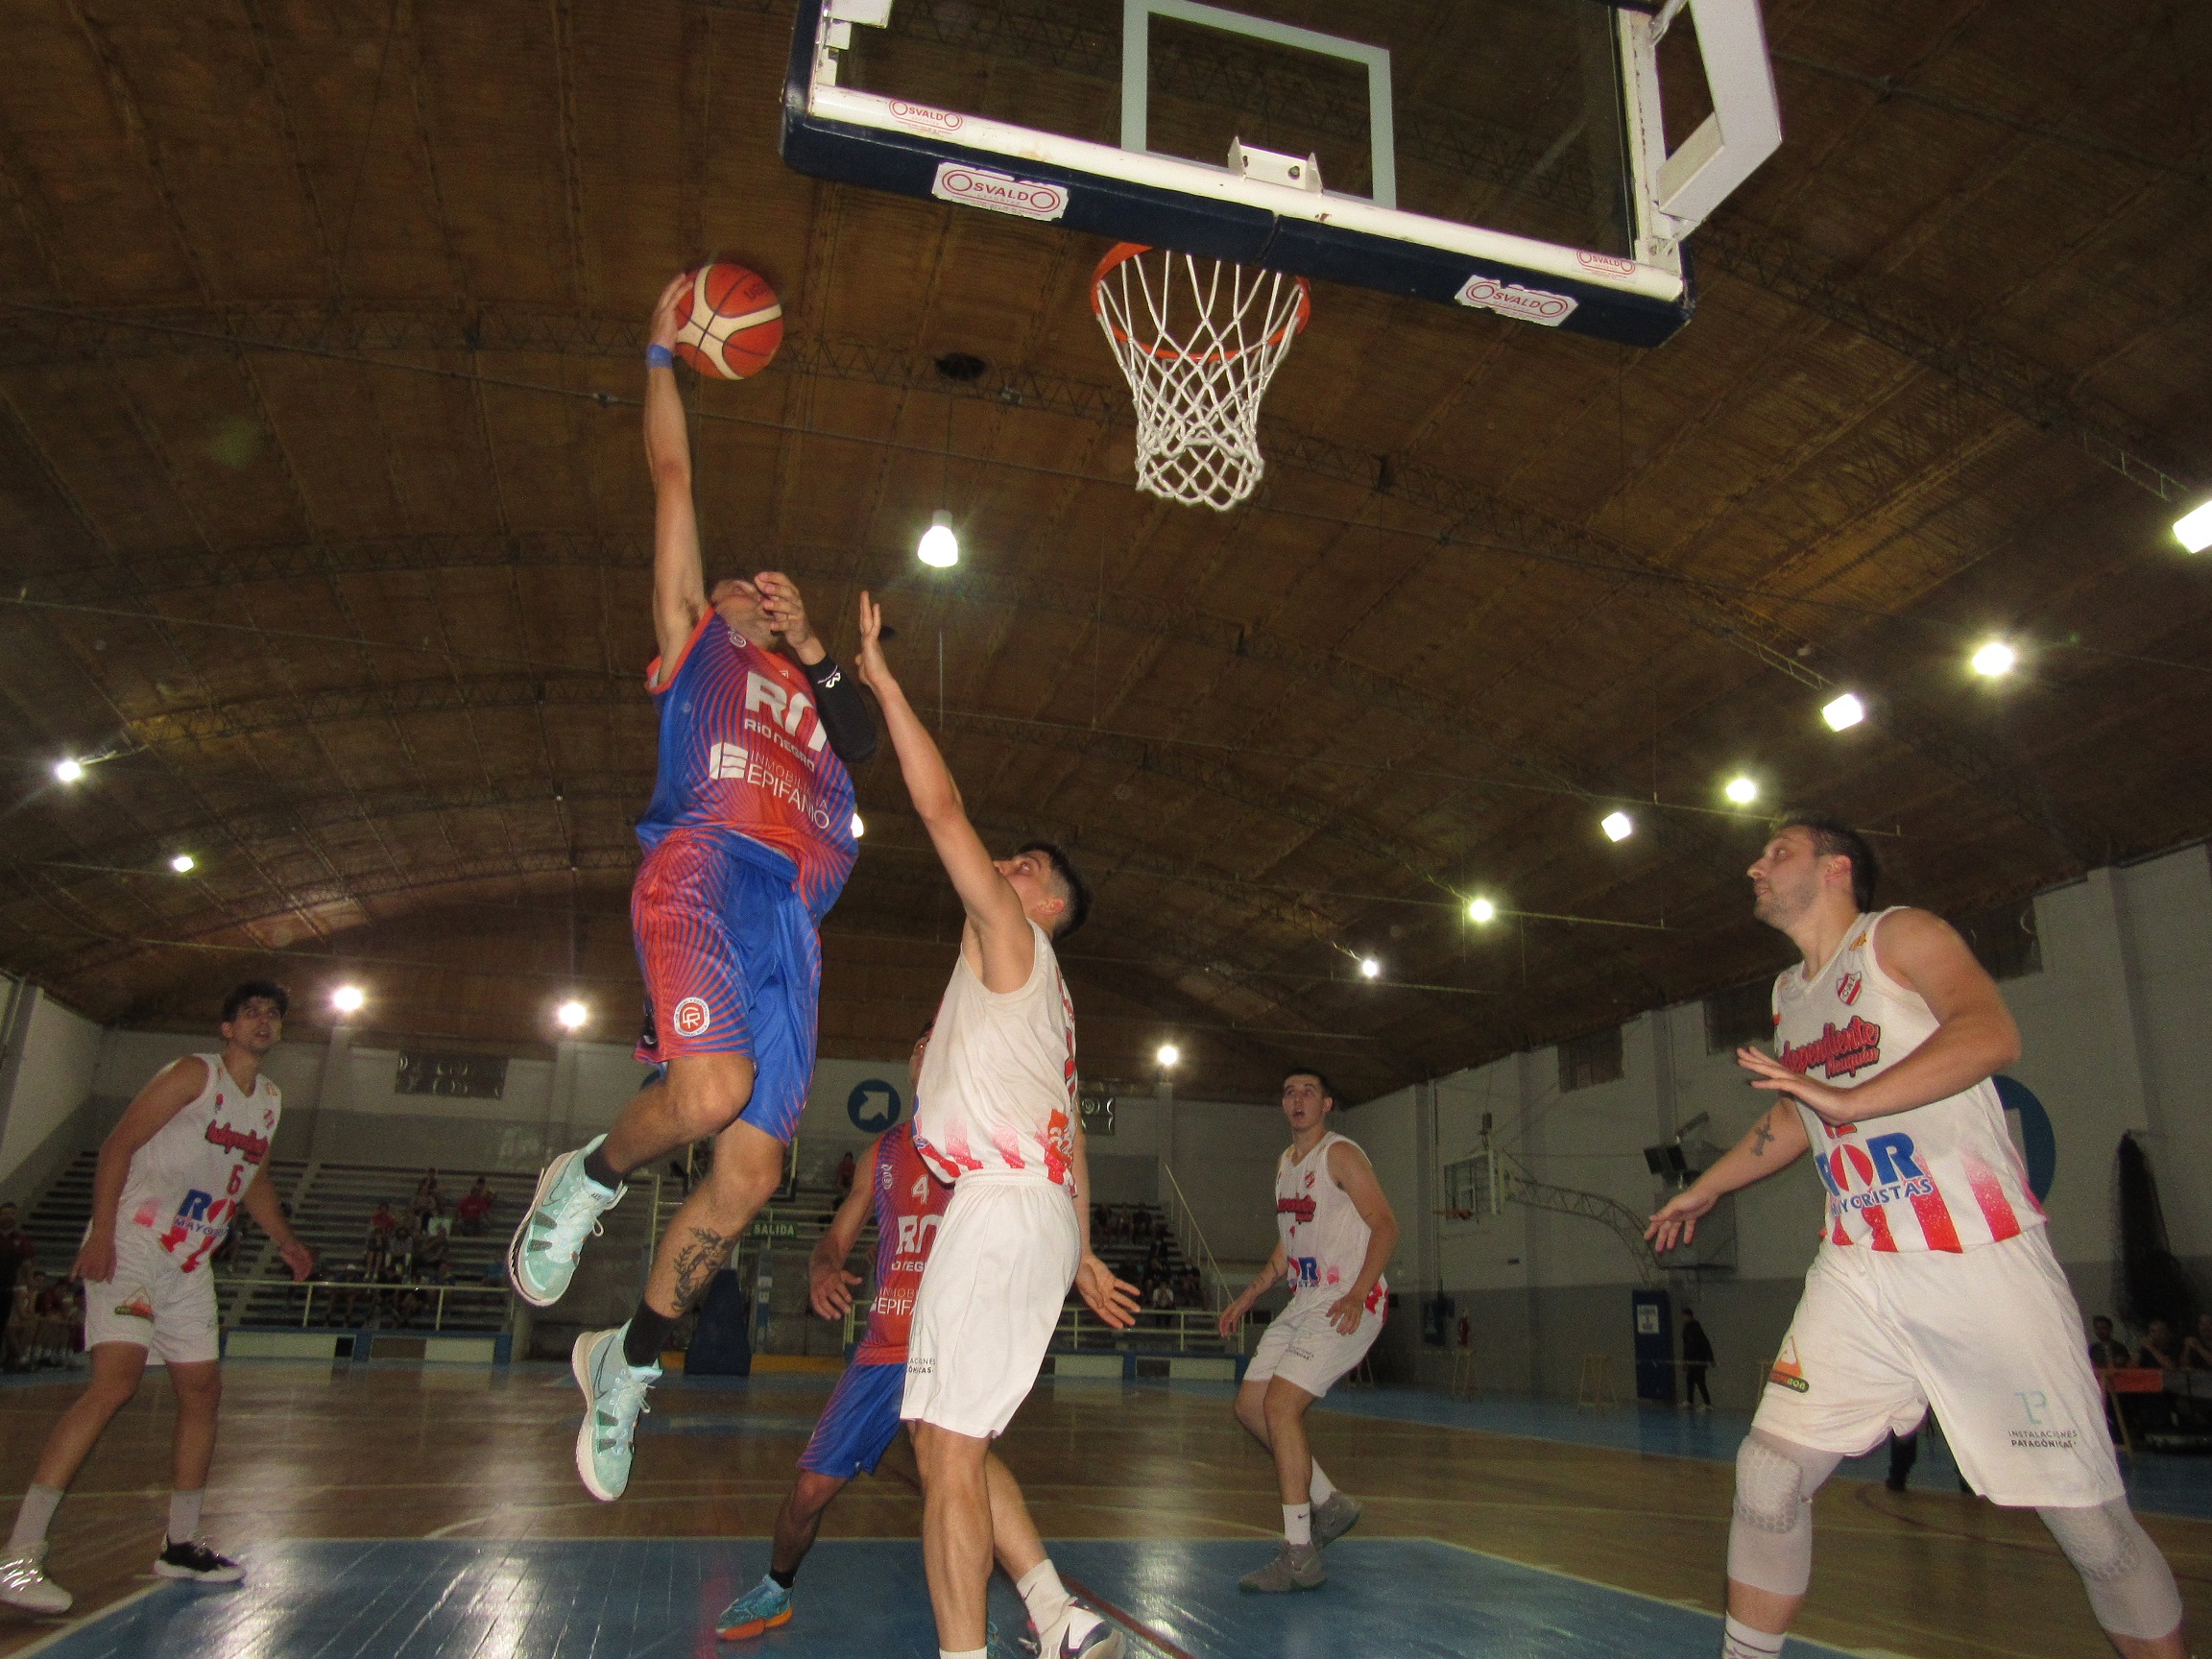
(2158, 1485)
(580, 1598)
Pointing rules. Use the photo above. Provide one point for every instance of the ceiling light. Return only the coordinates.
(859, 829)
(939, 547)
(1742, 790)
(1169, 1054)
(2194, 529)
(184, 863)
(68, 771)
(348, 998)
(1617, 826)
(1369, 968)
(573, 1014)
(1481, 910)
(1844, 713)
(1994, 659)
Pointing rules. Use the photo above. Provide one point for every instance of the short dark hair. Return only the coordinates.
(241, 995)
(1328, 1089)
(1078, 896)
(1833, 838)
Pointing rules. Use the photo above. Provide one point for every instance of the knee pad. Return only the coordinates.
(2132, 1589)
(1770, 1534)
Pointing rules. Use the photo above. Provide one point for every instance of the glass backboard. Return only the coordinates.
(1508, 154)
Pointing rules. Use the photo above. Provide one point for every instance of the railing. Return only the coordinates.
(1185, 1224)
(375, 1293)
(1183, 1329)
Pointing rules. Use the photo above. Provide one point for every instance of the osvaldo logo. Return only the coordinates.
(1511, 300)
(922, 116)
(1000, 192)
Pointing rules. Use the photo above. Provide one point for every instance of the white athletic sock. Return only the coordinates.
(1320, 1491)
(1741, 1641)
(31, 1520)
(1298, 1522)
(184, 1515)
(964, 1654)
(1043, 1594)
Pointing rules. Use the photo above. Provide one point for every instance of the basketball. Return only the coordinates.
(731, 322)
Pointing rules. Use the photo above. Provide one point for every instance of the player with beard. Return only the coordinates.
(1935, 1284)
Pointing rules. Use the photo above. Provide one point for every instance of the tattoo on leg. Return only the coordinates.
(699, 1261)
(1760, 1136)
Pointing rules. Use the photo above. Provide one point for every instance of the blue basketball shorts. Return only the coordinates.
(859, 1425)
(732, 965)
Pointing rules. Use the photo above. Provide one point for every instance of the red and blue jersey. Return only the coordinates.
(909, 1203)
(742, 750)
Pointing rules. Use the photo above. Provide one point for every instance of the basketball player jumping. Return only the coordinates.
(1335, 1235)
(1935, 1283)
(748, 841)
(861, 1419)
(173, 1172)
(995, 1114)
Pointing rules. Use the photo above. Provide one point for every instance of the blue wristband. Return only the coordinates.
(660, 357)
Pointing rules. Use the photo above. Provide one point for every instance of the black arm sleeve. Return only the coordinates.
(844, 711)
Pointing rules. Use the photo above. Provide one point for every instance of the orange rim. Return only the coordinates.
(1122, 252)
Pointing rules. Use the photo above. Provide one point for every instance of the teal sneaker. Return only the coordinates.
(563, 1212)
(763, 1607)
(613, 1400)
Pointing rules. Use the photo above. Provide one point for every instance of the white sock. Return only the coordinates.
(1298, 1522)
(1741, 1641)
(964, 1654)
(31, 1520)
(1043, 1594)
(1320, 1491)
(184, 1515)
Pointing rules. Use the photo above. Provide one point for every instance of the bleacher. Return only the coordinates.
(55, 1219)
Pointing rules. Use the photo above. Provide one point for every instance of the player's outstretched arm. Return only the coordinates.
(828, 1284)
(1349, 1169)
(1776, 1140)
(994, 908)
(1974, 1037)
(679, 577)
(268, 1212)
(175, 1087)
(837, 700)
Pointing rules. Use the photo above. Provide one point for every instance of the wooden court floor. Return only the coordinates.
(409, 1452)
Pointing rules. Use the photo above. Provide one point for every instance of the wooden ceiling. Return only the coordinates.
(324, 518)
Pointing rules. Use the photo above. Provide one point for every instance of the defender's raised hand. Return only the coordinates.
(786, 610)
(875, 672)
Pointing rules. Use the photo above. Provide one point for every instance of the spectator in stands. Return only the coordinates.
(431, 1251)
(377, 1247)
(16, 1246)
(2105, 1351)
(344, 1304)
(427, 1200)
(1697, 1356)
(61, 1322)
(2196, 1351)
(474, 1206)
(1162, 1299)
(2157, 1349)
(22, 1329)
(845, 1169)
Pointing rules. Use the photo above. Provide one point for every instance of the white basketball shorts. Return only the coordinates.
(151, 1305)
(990, 1296)
(1302, 1347)
(1991, 1338)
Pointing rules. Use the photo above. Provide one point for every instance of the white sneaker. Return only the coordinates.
(1079, 1633)
(24, 1584)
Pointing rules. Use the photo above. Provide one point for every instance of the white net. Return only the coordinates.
(1198, 339)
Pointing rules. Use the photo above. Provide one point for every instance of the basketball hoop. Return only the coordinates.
(1198, 340)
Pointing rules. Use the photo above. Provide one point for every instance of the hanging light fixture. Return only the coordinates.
(939, 547)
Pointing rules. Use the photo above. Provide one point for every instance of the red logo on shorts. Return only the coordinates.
(691, 1017)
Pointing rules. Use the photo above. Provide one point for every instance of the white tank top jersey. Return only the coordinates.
(186, 1184)
(1943, 1176)
(998, 1085)
(1324, 1236)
